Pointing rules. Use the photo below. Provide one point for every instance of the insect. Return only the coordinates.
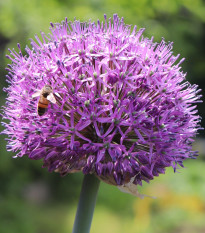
(46, 96)
(132, 189)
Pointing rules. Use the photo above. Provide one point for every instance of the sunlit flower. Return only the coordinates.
(123, 109)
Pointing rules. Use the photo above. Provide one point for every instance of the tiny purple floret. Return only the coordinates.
(123, 111)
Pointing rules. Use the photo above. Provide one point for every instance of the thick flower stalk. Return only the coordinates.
(123, 110)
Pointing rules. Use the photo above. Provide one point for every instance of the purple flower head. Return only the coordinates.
(122, 108)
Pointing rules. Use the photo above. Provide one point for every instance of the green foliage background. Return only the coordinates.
(34, 201)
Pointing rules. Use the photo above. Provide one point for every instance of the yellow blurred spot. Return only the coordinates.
(166, 199)
(142, 211)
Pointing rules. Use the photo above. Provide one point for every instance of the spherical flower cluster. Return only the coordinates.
(122, 111)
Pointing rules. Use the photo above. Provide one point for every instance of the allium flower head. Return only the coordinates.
(123, 110)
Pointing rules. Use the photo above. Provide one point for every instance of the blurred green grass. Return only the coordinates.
(178, 207)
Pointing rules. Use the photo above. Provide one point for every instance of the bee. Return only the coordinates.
(46, 96)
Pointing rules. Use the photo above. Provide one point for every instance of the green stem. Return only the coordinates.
(86, 204)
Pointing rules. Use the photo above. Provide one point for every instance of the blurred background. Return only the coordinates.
(35, 201)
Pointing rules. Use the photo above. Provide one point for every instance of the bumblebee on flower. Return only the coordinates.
(123, 109)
